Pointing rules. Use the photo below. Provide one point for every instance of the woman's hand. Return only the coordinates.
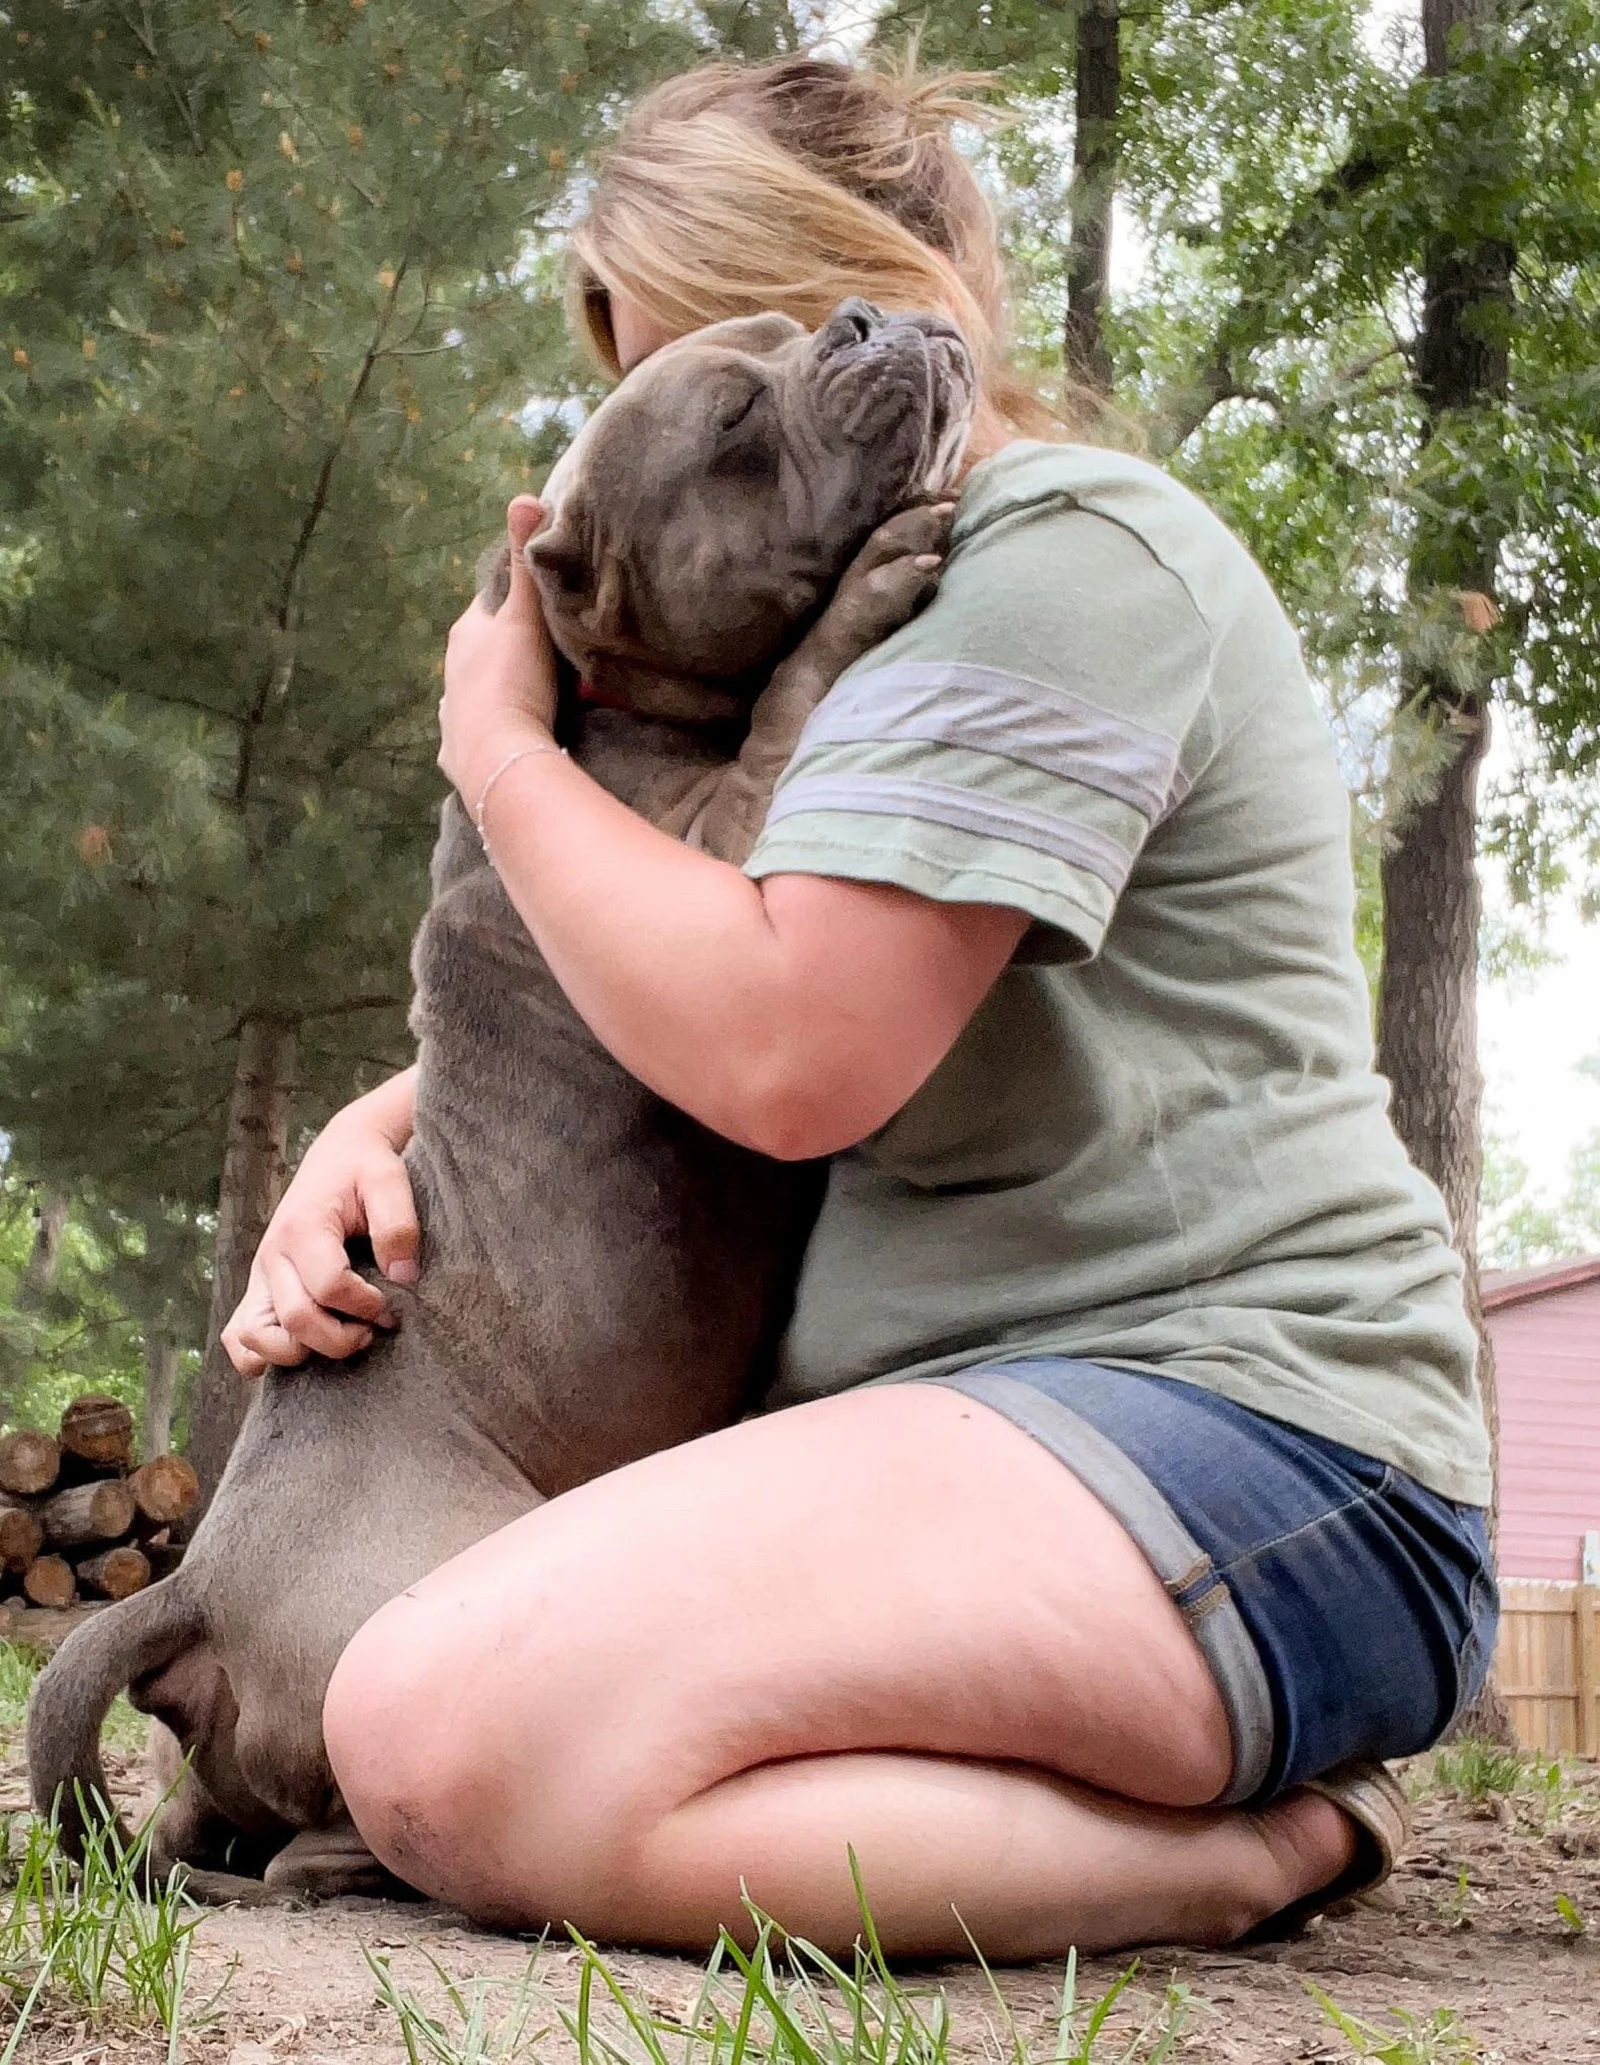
(303, 1296)
(499, 673)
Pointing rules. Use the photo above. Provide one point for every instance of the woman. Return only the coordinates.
(1164, 1504)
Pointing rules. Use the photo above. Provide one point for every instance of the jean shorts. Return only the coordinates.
(1344, 1609)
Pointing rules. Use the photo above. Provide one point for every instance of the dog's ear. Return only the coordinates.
(560, 553)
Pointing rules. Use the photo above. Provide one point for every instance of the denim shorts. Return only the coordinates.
(1344, 1609)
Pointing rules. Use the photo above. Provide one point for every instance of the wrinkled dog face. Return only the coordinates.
(703, 514)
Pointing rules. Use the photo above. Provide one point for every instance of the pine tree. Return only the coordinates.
(275, 309)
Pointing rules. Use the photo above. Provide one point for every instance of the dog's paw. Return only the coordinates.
(893, 575)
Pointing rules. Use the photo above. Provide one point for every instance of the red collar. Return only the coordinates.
(599, 698)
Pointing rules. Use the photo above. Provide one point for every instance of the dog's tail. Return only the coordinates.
(75, 1690)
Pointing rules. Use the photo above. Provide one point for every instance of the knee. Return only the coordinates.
(406, 1775)
(476, 1794)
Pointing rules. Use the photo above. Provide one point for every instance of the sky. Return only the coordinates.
(1532, 1035)
(1534, 1029)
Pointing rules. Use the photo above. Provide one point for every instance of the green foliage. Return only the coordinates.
(124, 1729)
(18, 1669)
(277, 299)
(280, 330)
(114, 1278)
(1439, 2038)
(98, 1938)
(481, 2033)
(1290, 179)
(1519, 1230)
(1477, 1770)
(782, 2001)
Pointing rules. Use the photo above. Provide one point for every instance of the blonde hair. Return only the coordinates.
(788, 186)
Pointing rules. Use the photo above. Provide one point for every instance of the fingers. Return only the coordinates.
(392, 1223)
(238, 1350)
(524, 515)
(315, 1251)
(310, 1323)
(253, 1339)
(257, 1346)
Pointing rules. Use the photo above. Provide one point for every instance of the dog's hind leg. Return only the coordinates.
(330, 1864)
(317, 1864)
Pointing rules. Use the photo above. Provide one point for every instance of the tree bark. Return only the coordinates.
(118, 1574)
(21, 1536)
(1427, 995)
(29, 1461)
(254, 1161)
(164, 1490)
(161, 1364)
(49, 1581)
(101, 1512)
(98, 1431)
(1097, 97)
(44, 1257)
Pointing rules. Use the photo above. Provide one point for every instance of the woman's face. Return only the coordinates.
(635, 332)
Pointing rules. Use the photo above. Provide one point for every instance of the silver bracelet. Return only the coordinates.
(510, 761)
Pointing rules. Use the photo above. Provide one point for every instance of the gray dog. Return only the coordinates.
(602, 1277)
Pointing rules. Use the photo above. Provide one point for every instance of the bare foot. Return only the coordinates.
(1311, 1842)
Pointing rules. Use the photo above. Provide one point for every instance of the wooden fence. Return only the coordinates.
(1547, 1665)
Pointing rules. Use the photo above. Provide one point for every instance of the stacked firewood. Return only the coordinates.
(80, 1517)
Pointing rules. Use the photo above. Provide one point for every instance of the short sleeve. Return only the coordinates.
(1017, 742)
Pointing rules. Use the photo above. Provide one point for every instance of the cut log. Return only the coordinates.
(49, 1581)
(40, 1630)
(164, 1489)
(98, 1430)
(29, 1462)
(101, 1512)
(21, 1536)
(117, 1574)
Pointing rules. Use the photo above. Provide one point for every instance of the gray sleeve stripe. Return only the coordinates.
(963, 810)
(989, 711)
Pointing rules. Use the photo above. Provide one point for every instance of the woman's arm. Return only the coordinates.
(303, 1294)
(795, 1015)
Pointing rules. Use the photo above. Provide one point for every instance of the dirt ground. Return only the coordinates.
(1470, 1924)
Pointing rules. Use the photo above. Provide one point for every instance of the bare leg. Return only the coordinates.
(888, 1621)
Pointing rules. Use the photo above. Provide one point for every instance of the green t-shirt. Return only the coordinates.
(1161, 1141)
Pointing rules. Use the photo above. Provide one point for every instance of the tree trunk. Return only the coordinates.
(44, 1257)
(1427, 995)
(161, 1364)
(1428, 986)
(1097, 95)
(254, 1159)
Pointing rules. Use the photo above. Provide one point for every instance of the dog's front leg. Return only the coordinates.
(883, 587)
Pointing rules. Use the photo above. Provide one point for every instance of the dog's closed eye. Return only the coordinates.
(735, 404)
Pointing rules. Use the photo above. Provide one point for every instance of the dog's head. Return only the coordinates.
(705, 511)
